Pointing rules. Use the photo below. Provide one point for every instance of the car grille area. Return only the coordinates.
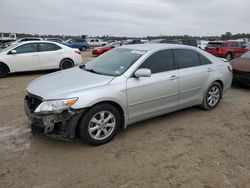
(33, 102)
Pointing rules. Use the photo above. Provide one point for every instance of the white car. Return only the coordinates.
(202, 44)
(37, 55)
(96, 42)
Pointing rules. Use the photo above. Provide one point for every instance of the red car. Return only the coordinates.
(226, 49)
(100, 50)
(241, 69)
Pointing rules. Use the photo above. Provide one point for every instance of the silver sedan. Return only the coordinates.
(125, 85)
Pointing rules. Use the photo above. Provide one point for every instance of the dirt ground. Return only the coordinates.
(190, 148)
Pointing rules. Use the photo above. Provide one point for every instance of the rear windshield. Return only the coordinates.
(217, 44)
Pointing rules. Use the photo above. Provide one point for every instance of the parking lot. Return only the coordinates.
(189, 148)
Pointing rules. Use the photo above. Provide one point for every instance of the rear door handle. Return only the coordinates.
(173, 77)
(35, 55)
(210, 70)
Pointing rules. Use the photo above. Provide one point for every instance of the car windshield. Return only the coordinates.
(114, 62)
(246, 55)
(9, 47)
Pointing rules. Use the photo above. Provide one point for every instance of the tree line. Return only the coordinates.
(227, 36)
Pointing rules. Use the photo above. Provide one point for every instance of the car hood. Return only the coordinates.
(241, 64)
(66, 83)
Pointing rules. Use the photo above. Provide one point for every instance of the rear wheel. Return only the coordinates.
(83, 48)
(212, 97)
(100, 124)
(3, 71)
(66, 63)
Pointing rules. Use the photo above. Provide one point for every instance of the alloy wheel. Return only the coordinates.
(102, 125)
(213, 96)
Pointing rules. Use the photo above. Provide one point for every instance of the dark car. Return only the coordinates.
(164, 41)
(81, 44)
(133, 41)
(189, 42)
(55, 40)
(241, 69)
(226, 49)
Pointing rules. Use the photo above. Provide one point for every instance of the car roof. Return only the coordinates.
(156, 46)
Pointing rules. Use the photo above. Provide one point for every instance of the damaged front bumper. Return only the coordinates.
(59, 125)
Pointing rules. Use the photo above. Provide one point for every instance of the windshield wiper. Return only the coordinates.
(89, 70)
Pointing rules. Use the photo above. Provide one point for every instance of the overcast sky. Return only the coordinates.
(125, 17)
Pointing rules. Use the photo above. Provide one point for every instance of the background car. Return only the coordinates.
(100, 50)
(55, 40)
(189, 42)
(96, 42)
(81, 44)
(23, 40)
(241, 69)
(123, 86)
(226, 49)
(202, 44)
(164, 41)
(37, 55)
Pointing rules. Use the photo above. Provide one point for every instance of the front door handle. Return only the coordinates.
(173, 77)
(210, 70)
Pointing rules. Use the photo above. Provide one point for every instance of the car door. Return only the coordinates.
(24, 57)
(50, 55)
(193, 76)
(155, 95)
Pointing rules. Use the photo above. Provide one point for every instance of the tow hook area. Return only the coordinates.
(50, 121)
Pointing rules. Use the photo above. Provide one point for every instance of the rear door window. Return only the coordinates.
(186, 58)
(45, 47)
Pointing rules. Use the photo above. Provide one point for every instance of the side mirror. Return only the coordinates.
(142, 73)
(13, 51)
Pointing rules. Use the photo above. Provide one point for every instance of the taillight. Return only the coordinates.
(230, 68)
(78, 52)
(218, 49)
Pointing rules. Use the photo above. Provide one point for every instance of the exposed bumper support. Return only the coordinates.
(61, 125)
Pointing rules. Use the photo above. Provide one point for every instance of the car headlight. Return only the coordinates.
(55, 105)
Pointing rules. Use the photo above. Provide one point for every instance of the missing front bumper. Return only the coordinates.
(62, 125)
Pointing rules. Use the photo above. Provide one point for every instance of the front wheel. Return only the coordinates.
(83, 48)
(3, 71)
(100, 124)
(212, 97)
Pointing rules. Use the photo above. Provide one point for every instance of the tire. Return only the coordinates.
(83, 48)
(94, 129)
(3, 71)
(229, 56)
(212, 97)
(66, 64)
